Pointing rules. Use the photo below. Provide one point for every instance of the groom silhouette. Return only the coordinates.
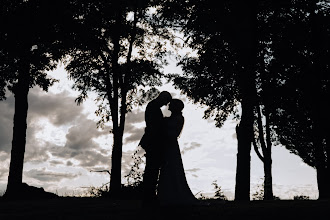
(152, 142)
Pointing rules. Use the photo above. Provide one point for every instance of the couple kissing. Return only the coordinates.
(164, 180)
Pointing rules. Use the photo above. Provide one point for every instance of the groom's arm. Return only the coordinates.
(153, 116)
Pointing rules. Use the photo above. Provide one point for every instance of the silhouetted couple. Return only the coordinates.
(164, 178)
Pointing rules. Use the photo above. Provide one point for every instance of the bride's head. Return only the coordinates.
(176, 106)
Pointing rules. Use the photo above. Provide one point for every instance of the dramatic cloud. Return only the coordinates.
(64, 144)
(6, 123)
(50, 115)
(133, 131)
(81, 136)
(81, 146)
(59, 109)
(48, 176)
(4, 164)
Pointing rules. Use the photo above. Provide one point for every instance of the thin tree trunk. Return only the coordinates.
(120, 83)
(267, 158)
(15, 177)
(268, 184)
(115, 181)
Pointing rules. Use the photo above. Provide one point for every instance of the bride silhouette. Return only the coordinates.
(173, 188)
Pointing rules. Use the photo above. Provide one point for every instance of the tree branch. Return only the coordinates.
(255, 147)
(261, 131)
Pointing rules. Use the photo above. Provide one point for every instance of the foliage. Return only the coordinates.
(29, 38)
(292, 80)
(30, 45)
(301, 197)
(218, 194)
(91, 61)
(209, 78)
(96, 192)
(135, 175)
(201, 196)
(286, 48)
(259, 193)
(117, 54)
(293, 93)
(132, 189)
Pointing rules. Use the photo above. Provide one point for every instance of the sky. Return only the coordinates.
(64, 146)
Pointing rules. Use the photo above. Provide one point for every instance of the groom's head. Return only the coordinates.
(164, 97)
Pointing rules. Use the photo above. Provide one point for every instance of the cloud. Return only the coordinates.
(6, 123)
(192, 146)
(4, 164)
(135, 117)
(133, 131)
(193, 170)
(135, 136)
(289, 191)
(48, 176)
(59, 109)
(81, 147)
(87, 155)
(81, 136)
(57, 162)
(127, 161)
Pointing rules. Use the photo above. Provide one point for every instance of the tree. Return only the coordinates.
(293, 50)
(284, 44)
(223, 73)
(30, 45)
(246, 21)
(318, 69)
(266, 147)
(299, 49)
(115, 52)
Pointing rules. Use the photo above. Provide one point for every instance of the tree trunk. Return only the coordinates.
(317, 103)
(268, 181)
(120, 83)
(267, 154)
(115, 181)
(244, 16)
(243, 131)
(268, 184)
(15, 177)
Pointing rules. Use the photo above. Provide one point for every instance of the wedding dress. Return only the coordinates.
(173, 188)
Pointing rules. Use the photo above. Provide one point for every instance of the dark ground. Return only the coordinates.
(94, 208)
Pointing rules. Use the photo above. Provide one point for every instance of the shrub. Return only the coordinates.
(218, 194)
(301, 197)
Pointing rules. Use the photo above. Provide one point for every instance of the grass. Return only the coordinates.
(100, 208)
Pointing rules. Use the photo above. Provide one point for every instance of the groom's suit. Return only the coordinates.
(152, 142)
